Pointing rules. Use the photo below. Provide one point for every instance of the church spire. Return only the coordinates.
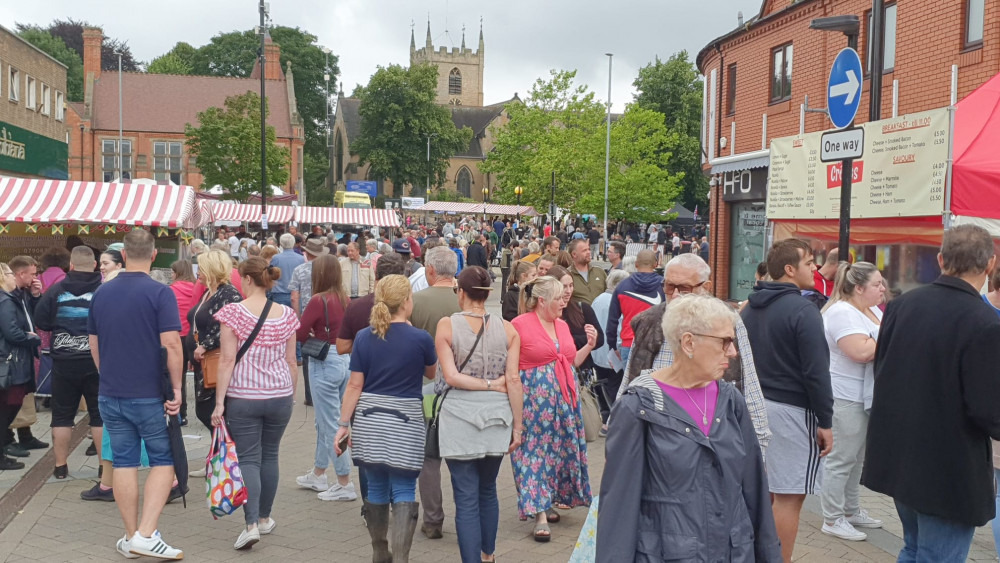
(430, 45)
(413, 42)
(463, 38)
(481, 43)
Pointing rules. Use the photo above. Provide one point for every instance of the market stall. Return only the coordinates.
(975, 195)
(346, 216)
(250, 213)
(458, 207)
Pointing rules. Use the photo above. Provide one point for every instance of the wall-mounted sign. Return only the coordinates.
(744, 185)
(24, 152)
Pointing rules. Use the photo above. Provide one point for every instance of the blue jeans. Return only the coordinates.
(388, 485)
(282, 298)
(626, 351)
(929, 539)
(329, 381)
(256, 427)
(477, 509)
(129, 423)
(996, 519)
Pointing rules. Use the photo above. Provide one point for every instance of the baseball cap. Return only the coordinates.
(401, 246)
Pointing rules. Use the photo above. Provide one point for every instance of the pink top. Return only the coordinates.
(263, 372)
(695, 402)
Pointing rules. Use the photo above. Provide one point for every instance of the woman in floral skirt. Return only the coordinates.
(551, 465)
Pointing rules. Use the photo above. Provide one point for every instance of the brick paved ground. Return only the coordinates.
(57, 526)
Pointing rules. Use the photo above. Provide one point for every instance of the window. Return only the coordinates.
(110, 157)
(167, 162)
(781, 73)
(974, 16)
(13, 84)
(464, 182)
(888, 40)
(46, 100)
(30, 92)
(731, 90)
(60, 106)
(455, 82)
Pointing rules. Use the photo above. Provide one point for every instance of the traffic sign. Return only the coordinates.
(843, 89)
(840, 145)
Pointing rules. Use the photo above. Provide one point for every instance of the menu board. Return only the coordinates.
(902, 172)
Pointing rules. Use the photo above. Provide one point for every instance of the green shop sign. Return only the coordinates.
(25, 152)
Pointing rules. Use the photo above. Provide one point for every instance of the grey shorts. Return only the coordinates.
(793, 462)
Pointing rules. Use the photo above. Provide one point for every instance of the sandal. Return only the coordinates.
(552, 516)
(542, 533)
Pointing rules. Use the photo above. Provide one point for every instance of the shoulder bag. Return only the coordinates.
(7, 370)
(210, 360)
(432, 444)
(319, 348)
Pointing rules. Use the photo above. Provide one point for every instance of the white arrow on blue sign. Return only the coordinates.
(844, 88)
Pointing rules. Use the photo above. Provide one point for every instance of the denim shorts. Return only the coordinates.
(131, 421)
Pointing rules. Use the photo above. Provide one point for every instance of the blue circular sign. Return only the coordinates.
(843, 89)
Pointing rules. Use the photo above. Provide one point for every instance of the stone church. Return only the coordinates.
(460, 87)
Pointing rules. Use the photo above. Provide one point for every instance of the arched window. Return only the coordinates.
(455, 82)
(464, 182)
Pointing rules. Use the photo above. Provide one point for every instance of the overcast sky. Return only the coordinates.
(524, 38)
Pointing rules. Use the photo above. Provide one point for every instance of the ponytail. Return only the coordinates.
(391, 292)
(849, 277)
(380, 319)
(258, 270)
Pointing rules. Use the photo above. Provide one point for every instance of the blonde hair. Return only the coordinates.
(217, 266)
(268, 252)
(390, 294)
(7, 286)
(696, 314)
(545, 287)
(849, 277)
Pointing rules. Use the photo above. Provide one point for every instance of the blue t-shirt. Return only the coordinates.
(286, 261)
(394, 366)
(128, 314)
(987, 300)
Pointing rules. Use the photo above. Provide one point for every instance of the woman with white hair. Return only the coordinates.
(684, 476)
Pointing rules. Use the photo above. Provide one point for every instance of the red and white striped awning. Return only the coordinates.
(499, 209)
(471, 207)
(447, 206)
(62, 201)
(248, 212)
(347, 216)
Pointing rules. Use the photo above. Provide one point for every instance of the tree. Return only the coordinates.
(169, 63)
(57, 49)
(71, 32)
(398, 111)
(674, 89)
(227, 146)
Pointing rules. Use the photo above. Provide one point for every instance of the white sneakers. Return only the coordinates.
(247, 538)
(152, 547)
(123, 547)
(312, 481)
(339, 492)
(844, 530)
(267, 527)
(863, 520)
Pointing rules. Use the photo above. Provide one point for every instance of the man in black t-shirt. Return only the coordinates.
(594, 238)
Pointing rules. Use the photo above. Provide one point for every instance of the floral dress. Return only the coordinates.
(551, 464)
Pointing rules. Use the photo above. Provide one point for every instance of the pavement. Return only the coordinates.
(55, 525)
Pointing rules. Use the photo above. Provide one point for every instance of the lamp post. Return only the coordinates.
(120, 152)
(329, 143)
(486, 200)
(427, 188)
(607, 155)
(262, 8)
(517, 191)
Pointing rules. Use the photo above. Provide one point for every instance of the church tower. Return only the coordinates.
(460, 71)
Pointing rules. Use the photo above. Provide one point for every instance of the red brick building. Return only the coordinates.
(758, 76)
(155, 109)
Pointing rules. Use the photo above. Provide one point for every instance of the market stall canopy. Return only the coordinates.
(469, 207)
(976, 169)
(62, 201)
(347, 216)
(248, 212)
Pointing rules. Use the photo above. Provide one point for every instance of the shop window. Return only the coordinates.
(455, 82)
(888, 39)
(46, 99)
(781, 73)
(731, 90)
(13, 84)
(167, 162)
(464, 182)
(975, 11)
(110, 156)
(60, 106)
(30, 92)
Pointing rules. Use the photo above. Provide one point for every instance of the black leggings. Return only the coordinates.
(7, 415)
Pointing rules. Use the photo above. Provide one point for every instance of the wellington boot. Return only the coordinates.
(377, 518)
(404, 523)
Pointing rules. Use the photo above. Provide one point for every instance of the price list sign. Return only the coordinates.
(902, 173)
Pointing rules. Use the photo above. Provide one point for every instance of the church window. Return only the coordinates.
(464, 182)
(455, 81)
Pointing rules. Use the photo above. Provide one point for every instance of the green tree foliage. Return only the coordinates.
(227, 146)
(674, 89)
(57, 49)
(398, 112)
(169, 63)
(71, 32)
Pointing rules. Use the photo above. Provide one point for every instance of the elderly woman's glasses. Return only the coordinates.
(727, 341)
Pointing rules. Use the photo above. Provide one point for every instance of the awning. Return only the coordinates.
(62, 201)
(472, 207)
(889, 230)
(347, 216)
(445, 206)
(248, 212)
(745, 161)
(498, 209)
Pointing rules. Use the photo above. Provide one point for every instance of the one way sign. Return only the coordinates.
(843, 89)
(839, 145)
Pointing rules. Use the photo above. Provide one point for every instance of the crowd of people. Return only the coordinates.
(719, 420)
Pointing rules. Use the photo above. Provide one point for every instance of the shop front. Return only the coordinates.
(30, 155)
(743, 183)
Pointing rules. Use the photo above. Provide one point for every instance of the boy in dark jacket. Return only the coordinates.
(64, 310)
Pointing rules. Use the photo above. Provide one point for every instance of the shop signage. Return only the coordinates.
(744, 185)
(24, 152)
(902, 173)
(412, 202)
(844, 88)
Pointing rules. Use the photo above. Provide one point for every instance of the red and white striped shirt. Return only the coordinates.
(263, 372)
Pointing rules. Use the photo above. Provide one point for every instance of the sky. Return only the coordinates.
(524, 39)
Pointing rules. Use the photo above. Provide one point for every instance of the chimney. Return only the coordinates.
(272, 68)
(93, 37)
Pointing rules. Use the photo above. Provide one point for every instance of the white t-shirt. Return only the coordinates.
(234, 246)
(847, 376)
(676, 242)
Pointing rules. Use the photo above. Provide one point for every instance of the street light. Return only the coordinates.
(607, 155)
(427, 188)
(329, 143)
(517, 192)
(120, 158)
(262, 7)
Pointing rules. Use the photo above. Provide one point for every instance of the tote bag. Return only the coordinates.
(223, 481)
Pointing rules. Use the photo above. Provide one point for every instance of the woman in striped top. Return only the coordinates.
(256, 394)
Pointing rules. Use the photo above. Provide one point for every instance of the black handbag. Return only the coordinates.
(7, 370)
(432, 443)
(318, 348)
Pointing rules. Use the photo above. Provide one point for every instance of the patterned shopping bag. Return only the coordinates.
(223, 480)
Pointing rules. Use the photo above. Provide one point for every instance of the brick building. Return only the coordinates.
(155, 109)
(33, 129)
(758, 76)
